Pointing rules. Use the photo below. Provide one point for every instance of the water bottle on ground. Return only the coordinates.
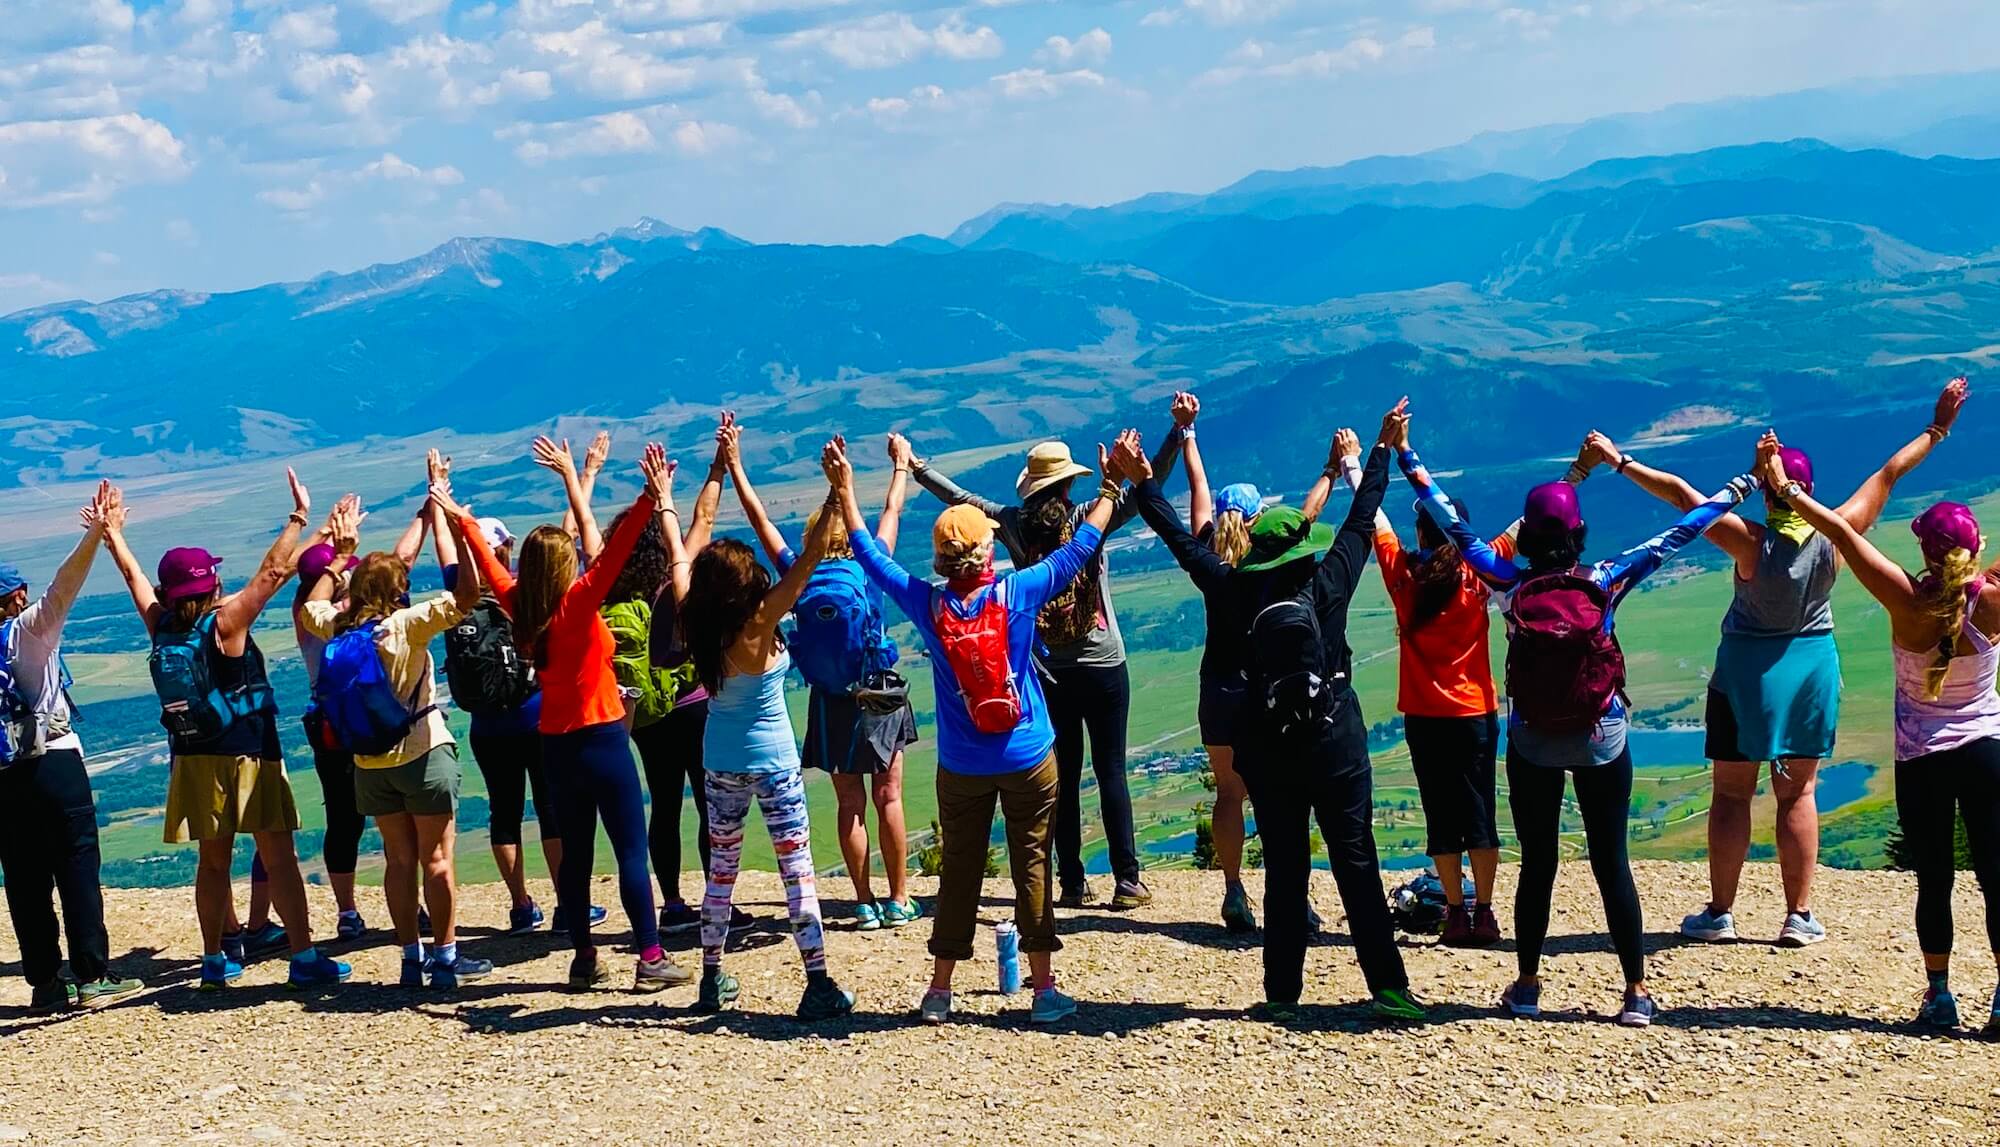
(1007, 944)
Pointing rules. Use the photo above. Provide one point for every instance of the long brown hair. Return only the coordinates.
(375, 591)
(726, 584)
(1048, 521)
(547, 570)
(1440, 576)
(183, 615)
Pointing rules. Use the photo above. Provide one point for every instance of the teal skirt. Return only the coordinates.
(1774, 698)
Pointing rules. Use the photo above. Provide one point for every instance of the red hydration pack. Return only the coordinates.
(976, 649)
(1564, 667)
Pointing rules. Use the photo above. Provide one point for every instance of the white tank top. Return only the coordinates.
(1966, 710)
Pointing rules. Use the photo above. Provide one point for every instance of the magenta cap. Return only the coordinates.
(1552, 506)
(1798, 467)
(189, 571)
(313, 563)
(1945, 527)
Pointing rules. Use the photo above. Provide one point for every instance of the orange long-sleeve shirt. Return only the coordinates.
(1445, 665)
(578, 688)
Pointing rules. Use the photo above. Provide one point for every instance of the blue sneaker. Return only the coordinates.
(465, 969)
(1709, 925)
(315, 969)
(902, 915)
(218, 972)
(1940, 1009)
(1051, 1006)
(866, 918)
(235, 947)
(1802, 929)
(1522, 999)
(267, 937)
(413, 973)
(523, 920)
(350, 926)
(1638, 1011)
(597, 915)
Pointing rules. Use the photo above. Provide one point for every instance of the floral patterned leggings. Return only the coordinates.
(781, 797)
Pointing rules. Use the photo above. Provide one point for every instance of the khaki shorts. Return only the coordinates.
(214, 798)
(427, 786)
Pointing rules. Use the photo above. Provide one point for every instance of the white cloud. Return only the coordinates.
(105, 258)
(39, 25)
(85, 161)
(406, 11)
(308, 28)
(600, 61)
(389, 168)
(893, 38)
(294, 199)
(1035, 83)
(786, 109)
(1093, 47)
(1221, 13)
(1528, 23)
(1254, 58)
(658, 129)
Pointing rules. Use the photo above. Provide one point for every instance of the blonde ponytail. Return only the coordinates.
(1230, 536)
(1941, 594)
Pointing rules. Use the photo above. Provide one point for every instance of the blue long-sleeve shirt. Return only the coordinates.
(1618, 576)
(961, 747)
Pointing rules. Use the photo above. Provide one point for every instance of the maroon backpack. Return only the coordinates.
(1564, 666)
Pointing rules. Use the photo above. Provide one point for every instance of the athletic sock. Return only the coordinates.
(446, 954)
(414, 952)
(309, 956)
(653, 955)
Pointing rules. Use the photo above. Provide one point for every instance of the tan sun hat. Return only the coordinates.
(1048, 463)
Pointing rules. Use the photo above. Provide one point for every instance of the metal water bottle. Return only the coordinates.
(1007, 945)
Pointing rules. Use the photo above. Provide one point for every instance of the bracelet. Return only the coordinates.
(1624, 460)
(900, 470)
(1937, 432)
(297, 516)
(1109, 489)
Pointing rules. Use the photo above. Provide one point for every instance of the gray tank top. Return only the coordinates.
(1791, 591)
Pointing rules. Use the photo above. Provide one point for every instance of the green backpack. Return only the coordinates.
(649, 690)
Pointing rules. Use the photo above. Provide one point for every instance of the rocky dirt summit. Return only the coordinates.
(1757, 1044)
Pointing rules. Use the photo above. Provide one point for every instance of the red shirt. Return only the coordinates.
(578, 687)
(1444, 667)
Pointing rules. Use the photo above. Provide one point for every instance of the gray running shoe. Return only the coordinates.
(1801, 930)
(1710, 925)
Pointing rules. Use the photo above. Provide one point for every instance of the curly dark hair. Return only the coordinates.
(1552, 550)
(646, 571)
(726, 584)
(1048, 521)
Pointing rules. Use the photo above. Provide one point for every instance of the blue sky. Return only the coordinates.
(216, 144)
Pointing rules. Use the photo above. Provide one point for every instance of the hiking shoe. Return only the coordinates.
(219, 972)
(1485, 928)
(677, 918)
(59, 995)
(896, 915)
(659, 975)
(1238, 914)
(1940, 1009)
(234, 947)
(350, 926)
(824, 1000)
(320, 971)
(719, 990)
(1710, 925)
(866, 918)
(266, 937)
(525, 919)
(936, 1007)
(1457, 927)
(1275, 1012)
(1131, 894)
(1399, 1004)
(561, 922)
(586, 971)
(1522, 999)
(1638, 1011)
(1801, 930)
(104, 990)
(740, 921)
(1051, 1005)
(413, 973)
(464, 969)
(1076, 896)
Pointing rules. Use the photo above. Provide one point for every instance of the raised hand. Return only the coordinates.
(301, 497)
(1950, 401)
(901, 454)
(1346, 444)
(729, 440)
(595, 454)
(437, 467)
(1128, 457)
(1396, 424)
(1599, 449)
(1770, 466)
(345, 523)
(550, 455)
(92, 514)
(1186, 408)
(658, 471)
(834, 463)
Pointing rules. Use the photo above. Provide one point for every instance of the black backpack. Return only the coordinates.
(486, 673)
(1289, 685)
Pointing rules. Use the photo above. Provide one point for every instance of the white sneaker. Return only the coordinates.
(936, 1007)
(1714, 927)
(1801, 930)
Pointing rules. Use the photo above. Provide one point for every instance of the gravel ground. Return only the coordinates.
(1757, 1044)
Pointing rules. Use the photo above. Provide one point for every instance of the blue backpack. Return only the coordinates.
(837, 637)
(192, 706)
(357, 701)
(20, 731)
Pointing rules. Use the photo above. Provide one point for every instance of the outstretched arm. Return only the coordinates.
(659, 475)
(1203, 565)
(549, 455)
(1734, 536)
(950, 492)
(706, 503)
(1322, 487)
(779, 601)
(888, 528)
(1340, 570)
(238, 611)
(1485, 560)
(136, 583)
(753, 507)
(911, 594)
(1886, 581)
(443, 533)
(1625, 571)
(46, 616)
(492, 573)
(1864, 506)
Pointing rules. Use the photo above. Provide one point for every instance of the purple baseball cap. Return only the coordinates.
(1798, 467)
(1945, 527)
(1552, 506)
(189, 571)
(313, 563)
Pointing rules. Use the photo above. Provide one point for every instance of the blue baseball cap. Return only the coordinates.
(1241, 497)
(10, 578)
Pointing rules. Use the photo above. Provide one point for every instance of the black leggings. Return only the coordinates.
(1098, 698)
(1603, 794)
(512, 766)
(344, 826)
(670, 752)
(1933, 791)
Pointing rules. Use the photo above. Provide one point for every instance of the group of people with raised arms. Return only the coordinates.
(574, 647)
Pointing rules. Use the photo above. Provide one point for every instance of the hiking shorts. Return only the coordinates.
(842, 737)
(215, 797)
(1219, 710)
(426, 786)
(1453, 758)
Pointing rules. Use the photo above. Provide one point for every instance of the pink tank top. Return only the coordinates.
(1966, 710)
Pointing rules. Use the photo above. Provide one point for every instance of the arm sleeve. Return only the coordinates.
(911, 595)
(1341, 568)
(422, 621)
(595, 583)
(1030, 589)
(1128, 503)
(1203, 566)
(1624, 572)
(1350, 470)
(952, 493)
(1485, 561)
(492, 574)
(318, 617)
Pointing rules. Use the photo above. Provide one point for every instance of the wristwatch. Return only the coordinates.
(1792, 490)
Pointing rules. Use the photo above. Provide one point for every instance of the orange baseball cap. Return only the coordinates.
(961, 529)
